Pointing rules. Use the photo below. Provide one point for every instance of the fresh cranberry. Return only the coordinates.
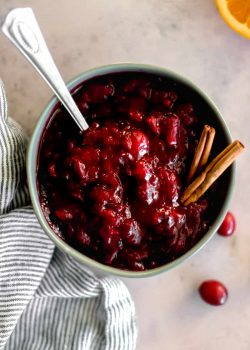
(228, 225)
(213, 292)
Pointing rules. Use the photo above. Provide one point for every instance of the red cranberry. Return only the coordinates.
(95, 125)
(136, 266)
(82, 237)
(87, 154)
(202, 205)
(135, 255)
(166, 125)
(179, 245)
(103, 195)
(171, 221)
(131, 232)
(111, 179)
(102, 111)
(110, 256)
(111, 240)
(136, 143)
(170, 185)
(110, 217)
(186, 114)
(154, 124)
(145, 92)
(64, 214)
(52, 170)
(78, 167)
(97, 93)
(82, 105)
(158, 148)
(148, 190)
(228, 225)
(135, 85)
(213, 292)
(143, 169)
(170, 129)
(75, 190)
(193, 219)
(137, 108)
(167, 98)
(134, 107)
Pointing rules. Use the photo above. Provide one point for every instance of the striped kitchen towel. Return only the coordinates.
(48, 301)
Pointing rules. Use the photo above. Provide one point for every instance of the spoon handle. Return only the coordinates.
(21, 28)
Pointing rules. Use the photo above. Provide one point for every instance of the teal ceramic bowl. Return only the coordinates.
(205, 107)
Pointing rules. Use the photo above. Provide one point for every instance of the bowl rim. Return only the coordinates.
(31, 166)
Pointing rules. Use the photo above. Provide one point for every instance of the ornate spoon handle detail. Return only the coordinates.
(21, 28)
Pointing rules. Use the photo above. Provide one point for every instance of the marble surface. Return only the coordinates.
(191, 38)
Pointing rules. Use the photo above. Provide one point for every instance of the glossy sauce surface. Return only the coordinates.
(113, 192)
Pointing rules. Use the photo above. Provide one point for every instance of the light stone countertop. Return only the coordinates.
(191, 38)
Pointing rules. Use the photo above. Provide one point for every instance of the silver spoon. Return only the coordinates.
(21, 28)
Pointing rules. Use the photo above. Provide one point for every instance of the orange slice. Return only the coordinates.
(236, 13)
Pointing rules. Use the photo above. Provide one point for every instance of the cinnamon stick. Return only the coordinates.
(202, 151)
(211, 173)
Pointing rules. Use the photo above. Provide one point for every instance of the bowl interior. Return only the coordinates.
(207, 113)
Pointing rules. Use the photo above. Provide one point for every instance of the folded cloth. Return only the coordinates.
(48, 300)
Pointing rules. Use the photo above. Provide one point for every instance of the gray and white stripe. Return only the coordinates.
(49, 301)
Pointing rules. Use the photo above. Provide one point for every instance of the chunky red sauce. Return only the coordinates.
(113, 192)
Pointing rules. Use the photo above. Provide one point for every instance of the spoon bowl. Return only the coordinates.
(21, 28)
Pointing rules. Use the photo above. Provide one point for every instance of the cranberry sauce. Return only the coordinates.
(113, 192)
